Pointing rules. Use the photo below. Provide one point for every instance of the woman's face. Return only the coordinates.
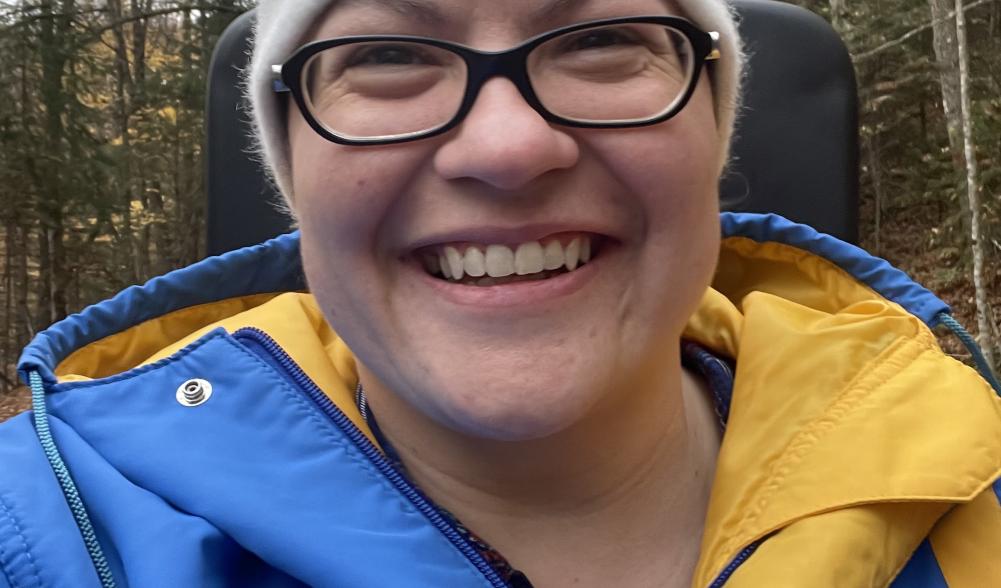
(524, 359)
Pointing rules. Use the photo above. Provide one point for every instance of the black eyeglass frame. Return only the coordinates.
(483, 66)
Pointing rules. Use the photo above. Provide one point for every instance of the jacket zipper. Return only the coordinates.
(300, 380)
(745, 553)
(725, 367)
(735, 563)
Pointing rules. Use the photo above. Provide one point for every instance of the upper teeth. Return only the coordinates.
(498, 261)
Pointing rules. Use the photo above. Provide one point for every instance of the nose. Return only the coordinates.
(504, 142)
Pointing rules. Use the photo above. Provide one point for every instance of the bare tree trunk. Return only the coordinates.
(973, 190)
(189, 201)
(54, 38)
(993, 29)
(23, 321)
(162, 256)
(23, 326)
(60, 271)
(124, 91)
(43, 301)
(872, 153)
(947, 58)
(8, 301)
(838, 8)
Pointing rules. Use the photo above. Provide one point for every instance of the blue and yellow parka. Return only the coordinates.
(856, 453)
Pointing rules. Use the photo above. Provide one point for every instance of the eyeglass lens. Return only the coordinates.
(391, 89)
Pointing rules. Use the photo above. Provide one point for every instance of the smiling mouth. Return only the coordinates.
(481, 265)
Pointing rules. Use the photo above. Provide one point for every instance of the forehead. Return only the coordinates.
(460, 19)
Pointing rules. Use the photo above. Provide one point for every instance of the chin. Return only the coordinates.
(516, 409)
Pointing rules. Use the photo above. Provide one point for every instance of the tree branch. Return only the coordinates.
(165, 11)
(903, 38)
(27, 20)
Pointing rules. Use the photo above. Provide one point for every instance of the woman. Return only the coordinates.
(509, 218)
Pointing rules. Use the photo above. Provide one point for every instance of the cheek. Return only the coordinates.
(684, 212)
(332, 190)
(343, 195)
(339, 207)
(671, 168)
(671, 171)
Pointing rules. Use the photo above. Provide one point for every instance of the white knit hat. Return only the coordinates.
(282, 25)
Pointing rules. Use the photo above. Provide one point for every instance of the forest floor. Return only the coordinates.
(910, 240)
(11, 404)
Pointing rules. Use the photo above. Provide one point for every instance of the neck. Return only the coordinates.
(629, 483)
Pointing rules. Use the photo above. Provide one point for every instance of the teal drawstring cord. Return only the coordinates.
(66, 481)
(971, 345)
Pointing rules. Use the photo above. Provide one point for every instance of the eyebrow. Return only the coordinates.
(553, 9)
(431, 13)
(426, 12)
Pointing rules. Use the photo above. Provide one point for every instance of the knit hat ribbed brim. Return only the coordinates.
(282, 25)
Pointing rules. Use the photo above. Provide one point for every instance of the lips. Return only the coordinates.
(481, 264)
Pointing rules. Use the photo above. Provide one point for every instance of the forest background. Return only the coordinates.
(101, 150)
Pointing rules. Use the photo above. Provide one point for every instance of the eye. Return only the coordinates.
(375, 55)
(599, 39)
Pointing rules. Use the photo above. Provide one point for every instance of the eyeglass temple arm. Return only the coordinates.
(277, 84)
(714, 54)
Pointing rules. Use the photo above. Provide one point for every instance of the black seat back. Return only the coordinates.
(796, 149)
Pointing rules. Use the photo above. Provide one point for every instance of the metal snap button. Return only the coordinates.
(194, 392)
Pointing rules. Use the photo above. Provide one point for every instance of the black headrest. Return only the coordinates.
(796, 150)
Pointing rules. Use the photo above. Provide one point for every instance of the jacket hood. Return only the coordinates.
(849, 430)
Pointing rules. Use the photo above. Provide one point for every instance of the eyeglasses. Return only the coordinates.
(613, 73)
